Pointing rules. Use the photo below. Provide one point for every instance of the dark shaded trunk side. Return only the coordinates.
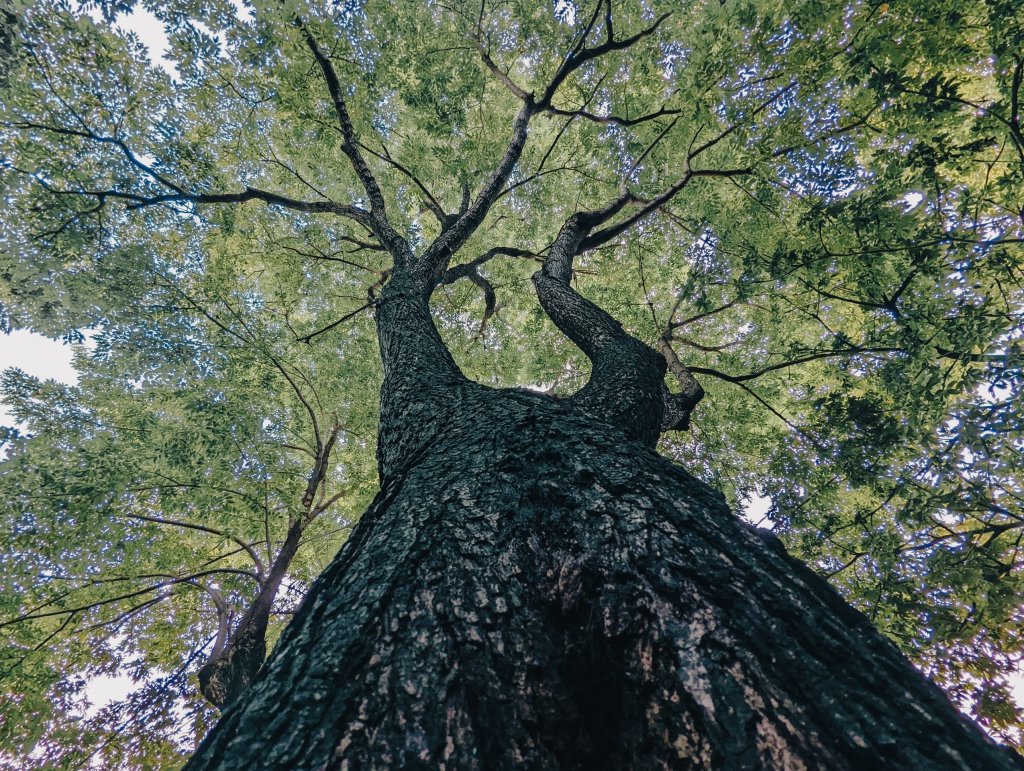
(534, 590)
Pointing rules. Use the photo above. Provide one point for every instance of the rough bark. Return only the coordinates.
(532, 588)
(535, 587)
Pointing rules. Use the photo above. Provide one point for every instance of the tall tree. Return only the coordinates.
(792, 229)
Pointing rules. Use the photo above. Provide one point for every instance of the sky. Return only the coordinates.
(51, 359)
(37, 355)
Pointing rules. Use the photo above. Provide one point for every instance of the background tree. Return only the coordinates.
(815, 211)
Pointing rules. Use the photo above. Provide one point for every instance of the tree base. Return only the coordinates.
(535, 591)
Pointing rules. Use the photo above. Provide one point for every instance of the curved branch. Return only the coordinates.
(469, 270)
(678, 406)
(138, 201)
(626, 382)
(87, 133)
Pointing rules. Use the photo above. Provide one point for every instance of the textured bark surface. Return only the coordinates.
(534, 587)
(531, 589)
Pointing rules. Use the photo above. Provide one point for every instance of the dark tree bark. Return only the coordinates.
(534, 587)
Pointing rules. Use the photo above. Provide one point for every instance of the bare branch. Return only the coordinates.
(581, 54)
(428, 199)
(678, 406)
(607, 234)
(309, 338)
(350, 145)
(500, 74)
(612, 119)
(464, 270)
(260, 568)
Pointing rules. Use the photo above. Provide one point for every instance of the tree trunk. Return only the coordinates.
(534, 589)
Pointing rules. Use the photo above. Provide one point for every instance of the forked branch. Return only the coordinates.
(431, 266)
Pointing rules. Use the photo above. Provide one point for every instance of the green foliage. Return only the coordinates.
(852, 303)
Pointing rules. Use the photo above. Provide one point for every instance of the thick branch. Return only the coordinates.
(350, 145)
(465, 270)
(625, 386)
(435, 259)
(229, 671)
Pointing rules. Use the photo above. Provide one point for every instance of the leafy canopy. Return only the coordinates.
(826, 233)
